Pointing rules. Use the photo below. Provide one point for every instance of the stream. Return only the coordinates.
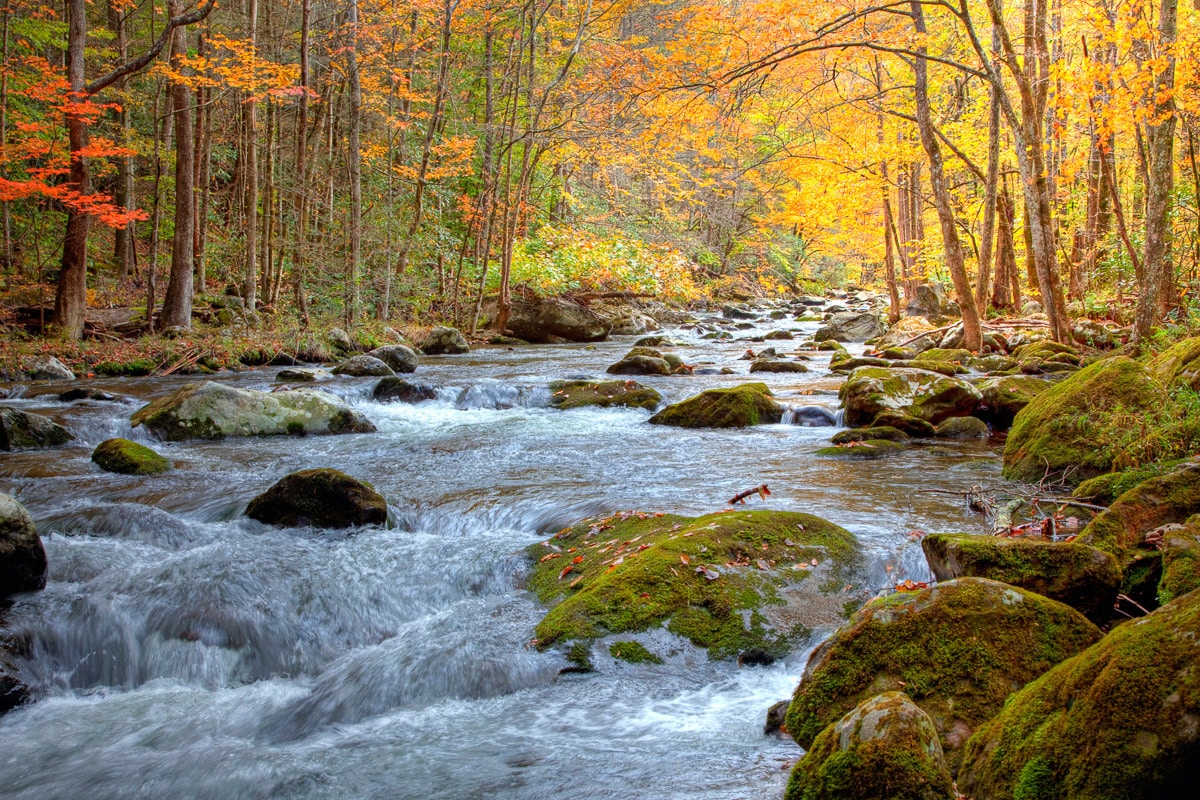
(181, 650)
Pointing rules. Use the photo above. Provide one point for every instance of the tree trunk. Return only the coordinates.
(177, 303)
(299, 202)
(123, 241)
(250, 196)
(991, 183)
(354, 157)
(70, 299)
(972, 334)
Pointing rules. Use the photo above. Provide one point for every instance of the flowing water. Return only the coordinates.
(181, 650)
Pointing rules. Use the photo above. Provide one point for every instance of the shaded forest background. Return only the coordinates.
(370, 161)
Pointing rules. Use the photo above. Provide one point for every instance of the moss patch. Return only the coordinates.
(1181, 561)
(633, 652)
(134, 367)
(1115, 721)
(1179, 365)
(603, 394)
(715, 580)
(128, 458)
(1168, 498)
(862, 449)
(958, 649)
(737, 407)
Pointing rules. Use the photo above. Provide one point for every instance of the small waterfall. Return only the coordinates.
(813, 416)
(497, 395)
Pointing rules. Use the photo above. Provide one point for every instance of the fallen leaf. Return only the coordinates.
(577, 560)
(573, 583)
(683, 559)
(566, 571)
(549, 556)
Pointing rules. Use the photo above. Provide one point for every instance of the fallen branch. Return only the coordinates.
(761, 491)
(1002, 519)
(186, 361)
(586, 297)
(923, 334)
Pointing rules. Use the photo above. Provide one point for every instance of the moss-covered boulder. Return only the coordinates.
(1181, 560)
(862, 449)
(919, 393)
(945, 361)
(322, 498)
(962, 428)
(445, 341)
(885, 749)
(24, 430)
(1172, 497)
(1006, 395)
(1118, 720)
(901, 421)
(851, 326)
(1054, 435)
(401, 358)
(641, 361)
(210, 410)
(602, 394)
(302, 375)
(128, 458)
(363, 366)
(22, 557)
(1082, 577)
(879, 433)
(958, 649)
(737, 407)
(1178, 365)
(842, 361)
(749, 584)
(776, 365)
(395, 389)
(993, 363)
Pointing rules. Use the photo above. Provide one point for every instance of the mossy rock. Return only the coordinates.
(775, 365)
(210, 410)
(1105, 489)
(962, 428)
(993, 363)
(632, 653)
(128, 458)
(958, 649)
(1158, 501)
(1047, 350)
(956, 359)
(885, 749)
(1179, 365)
(22, 557)
(603, 394)
(323, 498)
(778, 336)
(445, 341)
(1181, 560)
(1118, 720)
(641, 364)
(1054, 435)
(863, 449)
(880, 433)
(844, 362)
(1082, 577)
(916, 428)
(133, 368)
(899, 354)
(24, 430)
(736, 407)
(363, 366)
(400, 358)
(741, 583)
(920, 393)
(302, 375)
(1005, 396)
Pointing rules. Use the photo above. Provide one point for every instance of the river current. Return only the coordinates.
(181, 650)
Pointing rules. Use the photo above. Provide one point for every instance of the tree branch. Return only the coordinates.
(139, 63)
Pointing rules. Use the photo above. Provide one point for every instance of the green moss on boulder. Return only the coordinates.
(881, 432)
(919, 393)
(210, 410)
(603, 394)
(322, 498)
(1082, 577)
(945, 361)
(885, 749)
(1006, 395)
(739, 583)
(1054, 435)
(1118, 720)
(963, 428)
(1179, 365)
(776, 365)
(1181, 560)
(1167, 498)
(958, 649)
(916, 428)
(862, 449)
(128, 458)
(24, 430)
(736, 407)
(633, 653)
(133, 368)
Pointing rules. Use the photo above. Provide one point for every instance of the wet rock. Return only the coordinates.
(851, 327)
(779, 336)
(1082, 577)
(539, 320)
(862, 449)
(322, 498)
(810, 300)
(812, 417)
(741, 584)
(1178, 365)
(603, 394)
(962, 428)
(49, 368)
(339, 342)
(737, 312)
(654, 341)
(210, 410)
(919, 393)
(22, 557)
(880, 433)
(24, 430)
(916, 428)
(363, 367)
(633, 324)
(128, 458)
(958, 649)
(906, 329)
(399, 390)
(75, 395)
(401, 358)
(13, 692)
(993, 363)
(775, 365)
(773, 726)
(1005, 396)
(512, 341)
(641, 363)
(445, 341)
(1051, 438)
(885, 749)
(928, 300)
(1092, 334)
(947, 362)
(302, 375)
(1173, 497)
(1181, 560)
(844, 362)
(737, 407)
(953, 338)
(1118, 720)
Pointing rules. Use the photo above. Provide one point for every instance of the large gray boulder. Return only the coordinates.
(851, 327)
(549, 320)
(23, 430)
(22, 558)
(363, 367)
(399, 357)
(927, 301)
(49, 368)
(928, 396)
(209, 410)
(445, 341)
